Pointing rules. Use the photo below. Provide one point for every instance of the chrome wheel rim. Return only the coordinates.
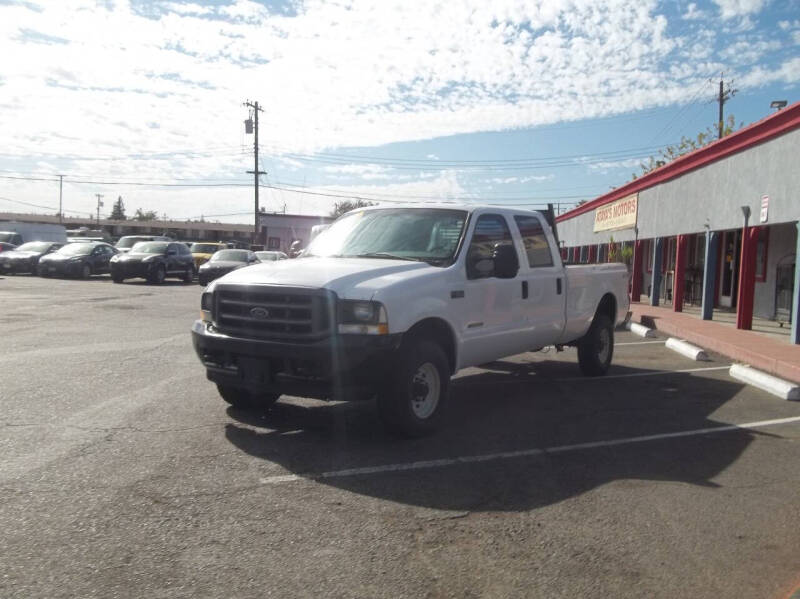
(425, 389)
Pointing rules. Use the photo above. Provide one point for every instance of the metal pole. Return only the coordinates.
(60, 196)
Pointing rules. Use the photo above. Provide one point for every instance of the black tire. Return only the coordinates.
(188, 276)
(247, 400)
(596, 347)
(86, 271)
(410, 405)
(158, 276)
(117, 279)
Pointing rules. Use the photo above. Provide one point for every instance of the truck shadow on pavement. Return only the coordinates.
(508, 407)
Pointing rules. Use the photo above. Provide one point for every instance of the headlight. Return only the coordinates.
(362, 318)
(114, 258)
(206, 305)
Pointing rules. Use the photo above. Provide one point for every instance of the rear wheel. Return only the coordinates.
(413, 402)
(86, 271)
(596, 347)
(188, 276)
(244, 399)
(117, 278)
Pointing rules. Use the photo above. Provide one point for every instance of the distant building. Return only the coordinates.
(720, 222)
(278, 231)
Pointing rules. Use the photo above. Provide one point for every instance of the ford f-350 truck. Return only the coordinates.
(391, 302)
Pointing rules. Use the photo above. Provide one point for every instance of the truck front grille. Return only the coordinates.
(265, 312)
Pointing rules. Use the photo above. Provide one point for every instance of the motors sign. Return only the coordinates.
(617, 215)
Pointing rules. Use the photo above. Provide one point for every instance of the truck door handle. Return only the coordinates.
(524, 289)
(558, 286)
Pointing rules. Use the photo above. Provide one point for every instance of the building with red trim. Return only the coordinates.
(717, 227)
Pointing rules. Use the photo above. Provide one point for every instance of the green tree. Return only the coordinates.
(118, 212)
(340, 208)
(686, 145)
(145, 214)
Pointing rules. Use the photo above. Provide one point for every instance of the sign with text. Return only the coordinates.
(764, 208)
(617, 215)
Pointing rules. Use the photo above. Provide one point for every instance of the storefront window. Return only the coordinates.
(761, 254)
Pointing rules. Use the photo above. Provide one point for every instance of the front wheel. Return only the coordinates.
(413, 402)
(596, 347)
(159, 274)
(86, 271)
(247, 400)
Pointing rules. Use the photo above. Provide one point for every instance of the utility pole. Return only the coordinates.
(724, 96)
(99, 203)
(252, 124)
(60, 196)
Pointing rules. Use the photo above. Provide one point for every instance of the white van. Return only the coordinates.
(19, 233)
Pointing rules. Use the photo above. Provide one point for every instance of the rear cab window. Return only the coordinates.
(534, 240)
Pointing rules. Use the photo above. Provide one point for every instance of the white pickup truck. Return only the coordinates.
(393, 301)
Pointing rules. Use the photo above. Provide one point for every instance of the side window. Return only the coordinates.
(491, 230)
(534, 240)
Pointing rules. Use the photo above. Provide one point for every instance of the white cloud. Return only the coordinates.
(693, 13)
(609, 164)
(137, 87)
(739, 8)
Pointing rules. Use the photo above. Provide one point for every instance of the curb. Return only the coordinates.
(767, 382)
(687, 349)
(640, 329)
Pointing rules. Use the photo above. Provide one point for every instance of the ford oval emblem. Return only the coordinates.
(259, 313)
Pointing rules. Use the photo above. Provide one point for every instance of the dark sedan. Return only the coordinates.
(26, 257)
(223, 262)
(154, 261)
(78, 259)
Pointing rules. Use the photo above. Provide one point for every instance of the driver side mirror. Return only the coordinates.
(506, 263)
(171, 252)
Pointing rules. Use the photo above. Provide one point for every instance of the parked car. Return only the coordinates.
(202, 251)
(26, 257)
(223, 262)
(154, 261)
(128, 241)
(391, 302)
(78, 259)
(19, 233)
(271, 256)
(5, 246)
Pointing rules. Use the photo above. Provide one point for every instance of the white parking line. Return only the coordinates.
(524, 453)
(640, 343)
(634, 374)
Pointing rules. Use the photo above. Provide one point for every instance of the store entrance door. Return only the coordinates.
(784, 291)
(729, 268)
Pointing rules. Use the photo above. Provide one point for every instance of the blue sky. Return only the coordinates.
(509, 102)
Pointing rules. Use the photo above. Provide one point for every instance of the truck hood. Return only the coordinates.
(350, 278)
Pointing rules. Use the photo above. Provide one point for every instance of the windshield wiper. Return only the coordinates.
(383, 255)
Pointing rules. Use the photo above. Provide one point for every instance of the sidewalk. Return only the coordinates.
(759, 351)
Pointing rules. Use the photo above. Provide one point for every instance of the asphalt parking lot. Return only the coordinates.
(124, 475)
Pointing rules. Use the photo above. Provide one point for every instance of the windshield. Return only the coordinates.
(7, 236)
(428, 234)
(204, 248)
(76, 249)
(34, 246)
(149, 247)
(230, 256)
(129, 242)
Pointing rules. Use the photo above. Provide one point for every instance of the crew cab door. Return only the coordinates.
(543, 283)
(490, 313)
